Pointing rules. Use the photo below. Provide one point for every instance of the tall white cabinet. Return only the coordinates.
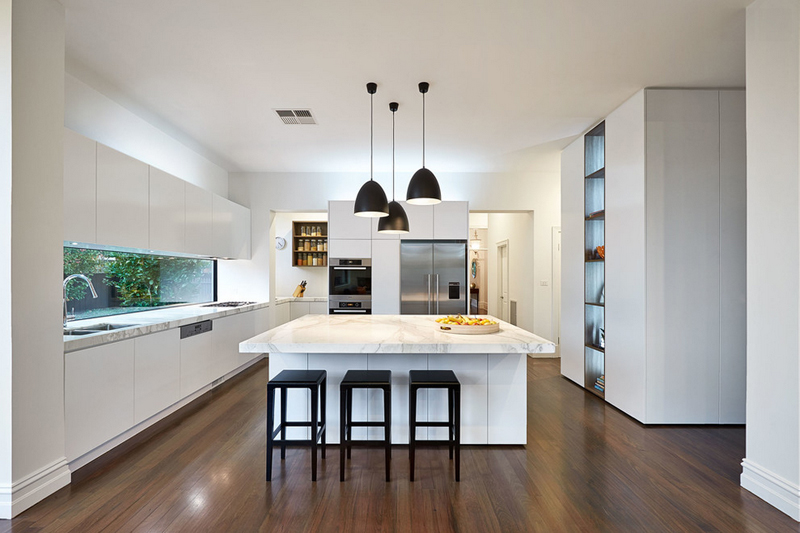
(675, 260)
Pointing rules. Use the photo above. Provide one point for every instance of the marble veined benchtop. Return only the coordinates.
(338, 334)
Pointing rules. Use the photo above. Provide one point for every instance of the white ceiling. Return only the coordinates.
(507, 76)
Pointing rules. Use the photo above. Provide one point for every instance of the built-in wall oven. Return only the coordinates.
(350, 286)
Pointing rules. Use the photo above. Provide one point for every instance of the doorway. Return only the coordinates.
(556, 289)
(502, 280)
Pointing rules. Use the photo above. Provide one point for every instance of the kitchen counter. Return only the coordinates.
(285, 299)
(492, 370)
(388, 334)
(149, 322)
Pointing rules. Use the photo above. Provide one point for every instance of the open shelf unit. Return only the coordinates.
(309, 244)
(594, 266)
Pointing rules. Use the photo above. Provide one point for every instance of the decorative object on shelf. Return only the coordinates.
(597, 215)
(300, 290)
(423, 189)
(475, 242)
(603, 294)
(602, 338)
(397, 221)
(601, 252)
(371, 200)
(280, 243)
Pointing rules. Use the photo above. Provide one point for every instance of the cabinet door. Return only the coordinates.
(471, 372)
(167, 212)
(228, 332)
(122, 200)
(343, 224)
(80, 183)
(298, 309)
(199, 220)
(420, 221)
(231, 233)
(451, 220)
(349, 249)
(98, 395)
(197, 363)
(283, 313)
(157, 372)
(386, 277)
(318, 308)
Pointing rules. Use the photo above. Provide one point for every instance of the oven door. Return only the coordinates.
(350, 283)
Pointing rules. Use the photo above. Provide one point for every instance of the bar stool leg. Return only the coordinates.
(457, 394)
(324, 409)
(342, 429)
(349, 420)
(412, 427)
(450, 427)
(314, 415)
(270, 424)
(283, 423)
(387, 428)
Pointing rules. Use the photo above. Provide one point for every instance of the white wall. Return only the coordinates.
(94, 115)
(32, 163)
(536, 190)
(287, 277)
(518, 230)
(772, 465)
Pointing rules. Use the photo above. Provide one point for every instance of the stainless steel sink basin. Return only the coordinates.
(96, 328)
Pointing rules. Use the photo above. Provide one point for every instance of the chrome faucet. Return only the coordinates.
(67, 280)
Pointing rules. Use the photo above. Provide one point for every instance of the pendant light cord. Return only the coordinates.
(423, 130)
(371, 120)
(393, 156)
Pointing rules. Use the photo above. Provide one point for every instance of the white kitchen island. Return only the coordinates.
(491, 368)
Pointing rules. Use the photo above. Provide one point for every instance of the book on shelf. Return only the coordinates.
(596, 214)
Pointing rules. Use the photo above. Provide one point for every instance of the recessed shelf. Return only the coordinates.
(594, 304)
(595, 260)
(599, 217)
(597, 174)
(596, 392)
(595, 348)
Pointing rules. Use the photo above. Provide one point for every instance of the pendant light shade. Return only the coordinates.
(423, 189)
(397, 221)
(371, 200)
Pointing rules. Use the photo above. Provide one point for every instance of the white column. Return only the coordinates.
(32, 463)
(771, 469)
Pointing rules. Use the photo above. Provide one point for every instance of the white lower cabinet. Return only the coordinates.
(157, 373)
(318, 308)
(283, 313)
(506, 381)
(98, 395)
(471, 372)
(298, 309)
(226, 335)
(197, 363)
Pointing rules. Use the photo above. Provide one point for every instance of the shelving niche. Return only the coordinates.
(594, 264)
(316, 237)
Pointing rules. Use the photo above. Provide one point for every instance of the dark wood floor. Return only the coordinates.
(587, 467)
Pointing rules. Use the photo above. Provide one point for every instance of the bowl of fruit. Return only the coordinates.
(465, 325)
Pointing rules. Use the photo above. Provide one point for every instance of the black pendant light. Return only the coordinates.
(371, 200)
(397, 221)
(423, 189)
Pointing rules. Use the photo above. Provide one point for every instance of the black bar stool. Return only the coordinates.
(436, 379)
(364, 379)
(315, 381)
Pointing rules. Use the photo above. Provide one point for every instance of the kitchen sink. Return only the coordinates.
(96, 328)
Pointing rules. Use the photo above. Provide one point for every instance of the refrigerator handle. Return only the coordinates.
(429, 294)
(437, 294)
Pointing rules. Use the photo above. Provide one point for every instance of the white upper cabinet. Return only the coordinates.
(199, 220)
(343, 224)
(80, 181)
(451, 220)
(122, 199)
(420, 221)
(167, 212)
(231, 230)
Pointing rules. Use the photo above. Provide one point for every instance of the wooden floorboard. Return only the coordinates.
(587, 467)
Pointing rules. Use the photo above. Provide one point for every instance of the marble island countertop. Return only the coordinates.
(388, 334)
(148, 322)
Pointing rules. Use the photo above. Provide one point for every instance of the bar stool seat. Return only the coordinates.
(436, 379)
(364, 379)
(316, 382)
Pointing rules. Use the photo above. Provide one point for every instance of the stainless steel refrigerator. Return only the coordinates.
(433, 277)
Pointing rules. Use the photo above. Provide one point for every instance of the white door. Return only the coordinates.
(556, 295)
(502, 279)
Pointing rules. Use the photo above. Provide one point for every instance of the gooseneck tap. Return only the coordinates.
(67, 280)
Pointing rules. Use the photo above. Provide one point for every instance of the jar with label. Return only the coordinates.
(313, 245)
(324, 246)
(299, 260)
(314, 260)
(308, 259)
(324, 260)
(307, 245)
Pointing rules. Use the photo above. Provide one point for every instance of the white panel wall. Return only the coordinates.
(625, 261)
(772, 466)
(572, 261)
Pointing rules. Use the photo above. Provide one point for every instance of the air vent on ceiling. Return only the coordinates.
(296, 116)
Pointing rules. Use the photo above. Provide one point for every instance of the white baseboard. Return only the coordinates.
(91, 455)
(772, 488)
(33, 488)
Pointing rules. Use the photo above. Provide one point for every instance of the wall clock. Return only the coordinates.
(280, 243)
